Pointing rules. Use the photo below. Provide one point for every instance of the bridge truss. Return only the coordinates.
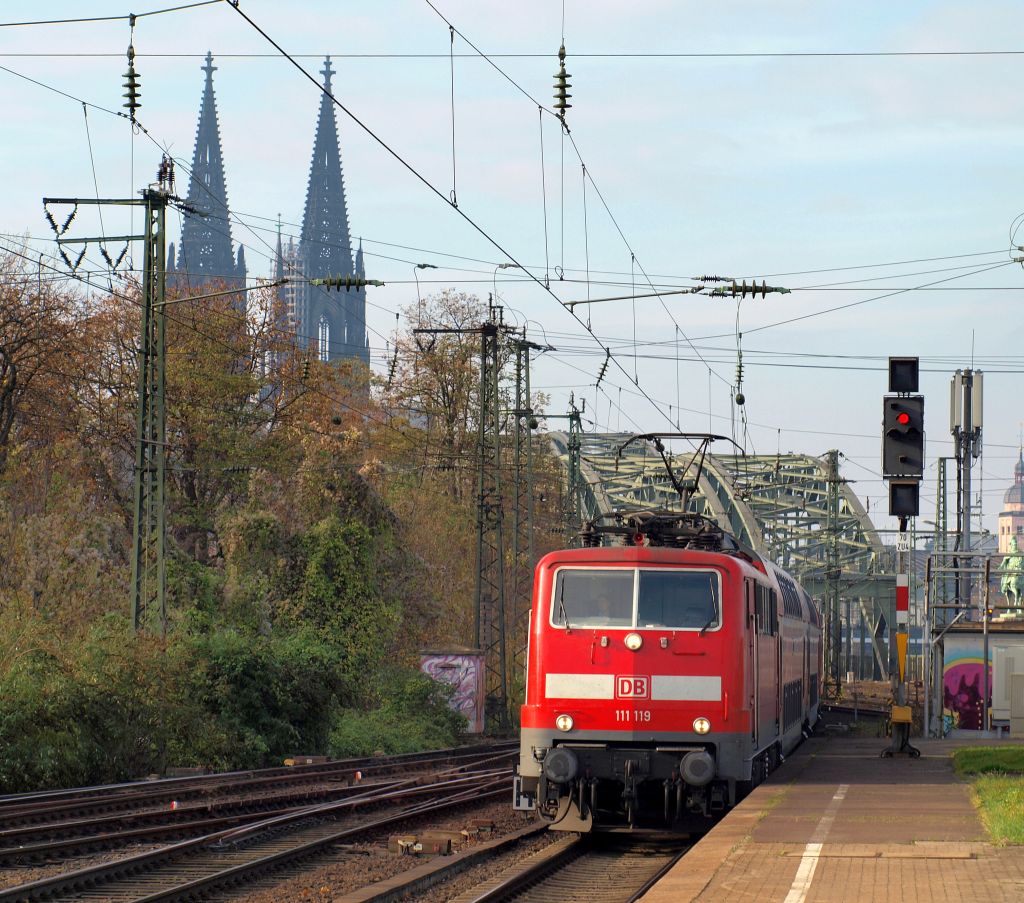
(793, 509)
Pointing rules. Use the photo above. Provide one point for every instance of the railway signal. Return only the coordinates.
(903, 467)
(903, 436)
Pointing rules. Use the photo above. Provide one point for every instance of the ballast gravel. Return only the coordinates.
(358, 865)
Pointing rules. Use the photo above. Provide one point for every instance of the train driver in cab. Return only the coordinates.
(608, 613)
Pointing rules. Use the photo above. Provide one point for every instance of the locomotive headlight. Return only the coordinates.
(701, 725)
(564, 722)
(633, 641)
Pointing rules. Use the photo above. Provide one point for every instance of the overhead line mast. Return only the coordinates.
(149, 509)
(495, 619)
(149, 574)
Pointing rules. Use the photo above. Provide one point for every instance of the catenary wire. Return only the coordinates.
(585, 54)
(123, 17)
(419, 176)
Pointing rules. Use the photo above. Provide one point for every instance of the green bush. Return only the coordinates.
(410, 713)
(270, 696)
(269, 655)
(107, 707)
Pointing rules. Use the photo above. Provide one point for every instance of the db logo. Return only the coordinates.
(632, 687)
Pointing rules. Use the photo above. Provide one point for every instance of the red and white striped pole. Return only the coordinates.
(902, 624)
(902, 716)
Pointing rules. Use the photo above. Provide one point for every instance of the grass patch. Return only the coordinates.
(1001, 800)
(989, 760)
(997, 777)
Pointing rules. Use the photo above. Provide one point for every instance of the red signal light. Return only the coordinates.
(903, 418)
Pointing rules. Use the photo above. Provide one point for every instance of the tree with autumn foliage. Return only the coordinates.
(435, 382)
(292, 581)
(36, 317)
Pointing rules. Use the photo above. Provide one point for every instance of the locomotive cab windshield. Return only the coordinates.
(631, 598)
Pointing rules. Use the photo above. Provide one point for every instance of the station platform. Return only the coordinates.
(838, 824)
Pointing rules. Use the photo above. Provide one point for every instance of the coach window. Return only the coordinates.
(593, 598)
(680, 600)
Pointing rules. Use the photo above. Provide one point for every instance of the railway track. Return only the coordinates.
(196, 868)
(106, 820)
(586, 869)
(30, 808)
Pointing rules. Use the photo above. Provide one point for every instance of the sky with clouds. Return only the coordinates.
(734, 138)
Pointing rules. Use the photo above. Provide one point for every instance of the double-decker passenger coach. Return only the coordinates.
(669, 671)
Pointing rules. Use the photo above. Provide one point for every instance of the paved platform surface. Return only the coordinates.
(838, 824)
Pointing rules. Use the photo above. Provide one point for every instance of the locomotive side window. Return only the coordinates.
(593, 598)
(767, 610)
(684, 600)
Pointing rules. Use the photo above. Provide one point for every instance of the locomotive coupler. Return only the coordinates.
(629, 788)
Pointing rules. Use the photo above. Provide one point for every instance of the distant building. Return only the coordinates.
(1011, 518)
(205, 255)
(330, 322)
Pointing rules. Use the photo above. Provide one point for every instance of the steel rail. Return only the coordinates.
(19, 808)
(49, 838)
(189, 890)
(182, 827)
(45, 841)
(600, 881)
(419, 879)
(455, 792)
(547, 861)
(98, 791)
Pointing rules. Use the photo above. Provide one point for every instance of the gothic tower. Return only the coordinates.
(333, 323)
(205, 256)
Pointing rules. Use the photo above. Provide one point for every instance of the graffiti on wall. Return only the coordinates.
(963, 684)
(463, 671)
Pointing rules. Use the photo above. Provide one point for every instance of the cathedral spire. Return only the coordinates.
(325, 236)
(325, 246)
(205, 252)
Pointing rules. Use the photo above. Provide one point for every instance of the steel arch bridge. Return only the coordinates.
(794, 509)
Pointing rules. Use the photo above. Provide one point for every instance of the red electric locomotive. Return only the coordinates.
(668, 673)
